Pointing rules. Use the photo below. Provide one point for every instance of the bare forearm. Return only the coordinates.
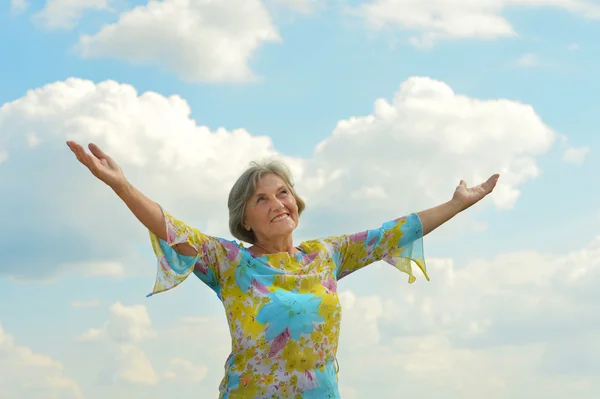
(145, 210)
(434, 217)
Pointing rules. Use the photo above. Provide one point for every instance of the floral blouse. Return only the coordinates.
(283, 310)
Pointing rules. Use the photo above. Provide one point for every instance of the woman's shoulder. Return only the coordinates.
(317, 245)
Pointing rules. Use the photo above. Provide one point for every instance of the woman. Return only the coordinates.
(280, 300)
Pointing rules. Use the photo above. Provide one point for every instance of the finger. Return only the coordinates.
(463, 183)
(490, 183)
(77, 150)
(98, 153)
(107, 161)
(73, 146)
(82, 156)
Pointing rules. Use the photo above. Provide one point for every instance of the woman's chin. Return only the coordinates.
(285, 229)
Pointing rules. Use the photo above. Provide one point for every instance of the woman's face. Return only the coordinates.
(272, 211)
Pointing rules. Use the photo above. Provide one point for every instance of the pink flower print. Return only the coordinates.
(165, 263)
(201, 267)
(330, 284)
(279, 342)
(231, 249)
(260, 287)
(171, 233)
(362, 236)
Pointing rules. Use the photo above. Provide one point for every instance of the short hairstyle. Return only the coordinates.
(245, 187)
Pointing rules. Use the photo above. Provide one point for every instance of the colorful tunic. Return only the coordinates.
(283, 310)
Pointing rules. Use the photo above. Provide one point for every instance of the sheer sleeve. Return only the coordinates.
(397, 242)
(174, 267)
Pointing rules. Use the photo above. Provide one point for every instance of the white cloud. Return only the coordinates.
(364, 312)
(405, 147)
(205, 340)
(301, 6)
(126, 325)
(95, 269)
(122, 334)
(528, 60)
(65, 14)
(347, 392)
(200, 41)
(576, 155)
(85, 304)
(517, 325)
(417, 147)
(185, 369)
(32, 139)
(134, 366)
(187, 353)
(26, 374)
(131, 128)
(586, 8)
(18, 6)
(92, 335)
(431, 21)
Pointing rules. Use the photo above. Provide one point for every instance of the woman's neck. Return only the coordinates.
(274, 247)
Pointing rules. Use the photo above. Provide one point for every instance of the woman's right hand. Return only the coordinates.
(101, 165)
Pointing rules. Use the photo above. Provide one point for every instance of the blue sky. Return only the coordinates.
(329, 65)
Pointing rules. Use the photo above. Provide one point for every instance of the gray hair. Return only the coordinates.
(245, 187)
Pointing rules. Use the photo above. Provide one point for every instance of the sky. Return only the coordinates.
(380, 108)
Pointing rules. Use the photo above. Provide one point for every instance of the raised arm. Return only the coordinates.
(145, 210)
(463, 198)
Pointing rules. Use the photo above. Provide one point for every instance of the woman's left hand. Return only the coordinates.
(465, 196)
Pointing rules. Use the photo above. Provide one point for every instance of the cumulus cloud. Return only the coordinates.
(65, 14)
(405, 147)
(187, 353)
(414, 149)
(125, 329)
(198, 349)
(132, 366)
(301, 6)
(576, 155)
(528, 60)
(431, 21)
(365, 312)
(18, 6)
(85, 304)
(199, 41)
(126, 325)
(516, 325)
(185, 369)
(26, 374)
(63, 200)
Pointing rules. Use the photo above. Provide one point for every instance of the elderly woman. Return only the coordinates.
(280, 299)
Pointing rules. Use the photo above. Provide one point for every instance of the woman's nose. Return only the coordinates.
(277, 204)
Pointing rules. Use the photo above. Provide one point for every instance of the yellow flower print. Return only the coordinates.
(250, 326)
(299, 358)
(268, 379)
(285, 282)
(248, 387)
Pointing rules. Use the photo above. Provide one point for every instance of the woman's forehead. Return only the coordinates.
(270, 182)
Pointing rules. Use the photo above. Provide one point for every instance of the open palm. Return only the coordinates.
(101, 165)
(468, 196)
